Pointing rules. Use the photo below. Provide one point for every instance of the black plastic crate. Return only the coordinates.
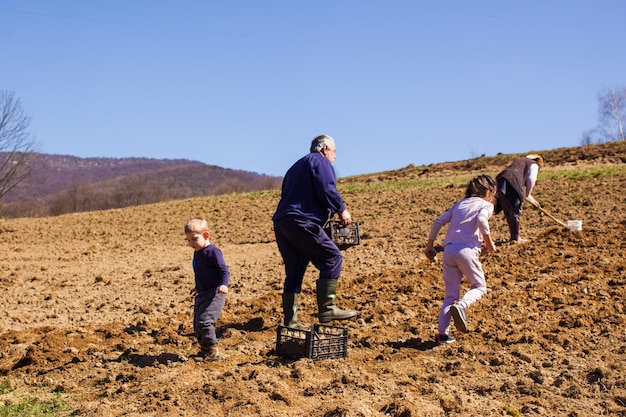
(319, 342)
(343, 236)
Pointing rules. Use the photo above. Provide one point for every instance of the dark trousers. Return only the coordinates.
(301, 241)
(206, 310)
(511, 204)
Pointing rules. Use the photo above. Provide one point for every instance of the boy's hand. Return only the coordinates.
(222, 289)
(193, 292)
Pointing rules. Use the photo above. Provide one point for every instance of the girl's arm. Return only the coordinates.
(430, 250)
(483, 227)
(439, 222)
(490, 247)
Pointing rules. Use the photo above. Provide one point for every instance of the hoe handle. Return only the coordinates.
(548, 214)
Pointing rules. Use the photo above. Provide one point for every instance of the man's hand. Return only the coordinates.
(345, 218)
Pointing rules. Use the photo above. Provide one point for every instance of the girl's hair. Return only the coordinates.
(196, 225)
(318, 143)
(480, 185)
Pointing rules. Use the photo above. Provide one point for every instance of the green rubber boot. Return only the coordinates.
(290, 312)
(327, 310)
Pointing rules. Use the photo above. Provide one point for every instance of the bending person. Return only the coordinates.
(515, 184)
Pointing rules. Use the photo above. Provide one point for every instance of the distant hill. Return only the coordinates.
(64, 184)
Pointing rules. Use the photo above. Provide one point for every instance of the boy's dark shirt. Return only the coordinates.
(210, 269)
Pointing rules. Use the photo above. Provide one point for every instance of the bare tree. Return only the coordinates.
(612, 113)
(18, 148)
(591, 136)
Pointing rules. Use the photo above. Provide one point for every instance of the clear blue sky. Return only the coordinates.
(247, 84)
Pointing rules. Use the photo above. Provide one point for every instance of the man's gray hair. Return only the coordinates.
(319, 142)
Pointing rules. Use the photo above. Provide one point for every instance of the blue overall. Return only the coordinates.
(309, 197)
(301, 241)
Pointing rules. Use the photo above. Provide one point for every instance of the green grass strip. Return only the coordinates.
(460, 181)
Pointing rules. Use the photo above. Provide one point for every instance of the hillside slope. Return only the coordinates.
(65, 184)
(611, 153)
(97, 313)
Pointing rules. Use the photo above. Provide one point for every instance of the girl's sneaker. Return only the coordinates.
(458, 315)
(445, 338)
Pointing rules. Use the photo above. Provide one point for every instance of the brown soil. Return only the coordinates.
(96, 308)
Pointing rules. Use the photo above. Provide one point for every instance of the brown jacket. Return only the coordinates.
(516, 174)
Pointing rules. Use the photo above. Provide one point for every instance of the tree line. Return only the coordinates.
(186, 181)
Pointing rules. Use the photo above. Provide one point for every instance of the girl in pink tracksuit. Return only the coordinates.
(468, 229)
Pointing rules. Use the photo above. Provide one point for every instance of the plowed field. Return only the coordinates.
(96, 311)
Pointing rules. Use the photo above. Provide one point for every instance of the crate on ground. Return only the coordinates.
(343, 236)
(319, 342)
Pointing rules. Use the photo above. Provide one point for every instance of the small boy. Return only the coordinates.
(211, 278)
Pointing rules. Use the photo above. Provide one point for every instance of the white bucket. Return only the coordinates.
(574, 225)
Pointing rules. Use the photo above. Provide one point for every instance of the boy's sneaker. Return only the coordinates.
(458, 315)
(208, 354)
(444, 339)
